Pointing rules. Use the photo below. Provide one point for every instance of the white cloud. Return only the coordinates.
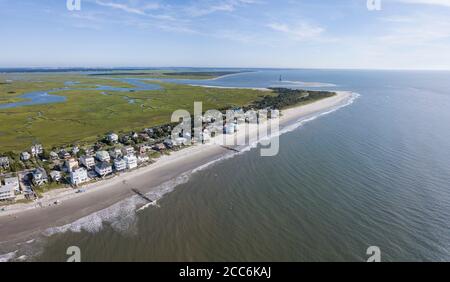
(201, 9)
(130, 9)
(445, 3)
(300, 32)
(420, 29)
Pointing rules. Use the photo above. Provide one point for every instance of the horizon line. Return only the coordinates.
(210, 67)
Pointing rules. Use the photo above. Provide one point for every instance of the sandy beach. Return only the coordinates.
(20, 222)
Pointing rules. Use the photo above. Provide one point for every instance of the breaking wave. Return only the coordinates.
(7, 257)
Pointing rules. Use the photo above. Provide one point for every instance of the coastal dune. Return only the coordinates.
(24, 221)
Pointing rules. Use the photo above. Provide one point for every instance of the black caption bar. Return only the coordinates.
(222, 271)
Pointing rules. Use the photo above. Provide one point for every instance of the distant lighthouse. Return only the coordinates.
(281, 79)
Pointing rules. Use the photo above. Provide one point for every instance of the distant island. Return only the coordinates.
(174, 74)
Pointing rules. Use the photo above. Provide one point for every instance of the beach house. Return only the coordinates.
(113, 138)
(63, 154)
(88, 162)
(36, 150)
(103, 168)
(90, 152)
(144, 148)
(7, 193)
(25, 156)
(55, 175)
(103, 156)
(129, 150)
(79, 176)
(115, 153)
(150, 131)
(131, 161)
(120, 164)
(39, 177)
(71, 164)
(53, 156)
(13, 182)
(4, 162)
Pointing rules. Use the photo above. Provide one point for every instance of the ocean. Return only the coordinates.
(373, 173)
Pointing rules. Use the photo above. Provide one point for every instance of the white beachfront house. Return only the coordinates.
(55, 175)
(63, 154)
(113, 138)
(79, 176)
(128, 150)
(13, 182)
(131, 161)
(103, 168)
(88, 162)
(71, 164)
(7, 193)
(4, 162)
(25, 156)
(115, 153)
(36, 149)
(53, 156)
(90, 152)
(120, 164)
(39, 176)
(103, 156)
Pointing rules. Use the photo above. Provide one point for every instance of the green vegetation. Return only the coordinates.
(40, 190)
(172, 75)
(87, 115)
(285, 98)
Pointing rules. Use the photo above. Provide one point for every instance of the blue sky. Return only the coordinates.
(404, 34)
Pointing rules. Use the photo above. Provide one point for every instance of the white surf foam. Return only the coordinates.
(22, 258)
(120, 216)
(7, 257)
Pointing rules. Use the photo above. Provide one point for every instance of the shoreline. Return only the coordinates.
(28, 221)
